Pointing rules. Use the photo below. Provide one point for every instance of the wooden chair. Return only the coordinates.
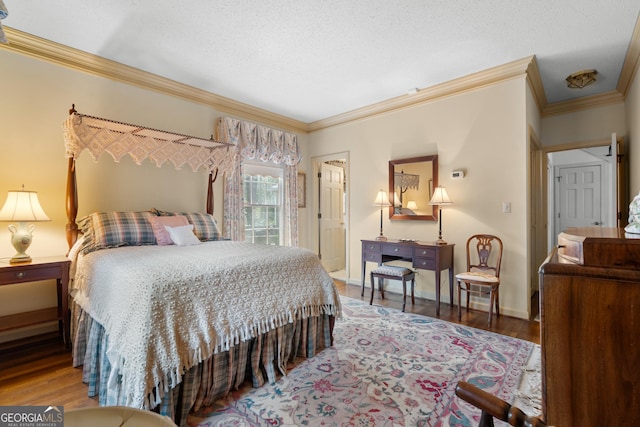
(494, 407)
(394, 273)
(483, 271)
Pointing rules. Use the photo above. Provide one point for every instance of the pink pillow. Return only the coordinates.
(161, 234)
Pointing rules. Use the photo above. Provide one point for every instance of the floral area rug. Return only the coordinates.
(387, 368)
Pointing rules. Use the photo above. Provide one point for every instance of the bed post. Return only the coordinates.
(211, 180)
(72, 203)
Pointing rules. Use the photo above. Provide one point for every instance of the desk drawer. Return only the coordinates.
(371, 247)
(425, 263)
(371, 257)
(425, 252)
(398, 250)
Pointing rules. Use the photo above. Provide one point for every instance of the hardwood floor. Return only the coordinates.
(38, 371)
(505, 325)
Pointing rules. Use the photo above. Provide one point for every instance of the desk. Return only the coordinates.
(39, 269)
(421, 255)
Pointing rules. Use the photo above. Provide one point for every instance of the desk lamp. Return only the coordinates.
(382, 200)
(440, 198)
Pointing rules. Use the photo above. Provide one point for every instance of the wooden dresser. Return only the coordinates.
(590, 329)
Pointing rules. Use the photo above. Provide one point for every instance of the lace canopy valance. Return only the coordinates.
(118, 139)
(406, 181)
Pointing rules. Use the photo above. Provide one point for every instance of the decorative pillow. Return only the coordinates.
(158, 223)
(182, 235)
(205, 226)
(113, 229)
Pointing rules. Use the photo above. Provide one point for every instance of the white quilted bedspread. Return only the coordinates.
(167, 308)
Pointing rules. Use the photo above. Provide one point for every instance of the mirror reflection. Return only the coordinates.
(411, 184)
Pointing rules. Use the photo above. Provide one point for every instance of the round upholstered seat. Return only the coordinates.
(115, 416)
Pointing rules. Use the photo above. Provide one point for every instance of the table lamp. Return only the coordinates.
(22, 207)
(382, 200)
(440, 198)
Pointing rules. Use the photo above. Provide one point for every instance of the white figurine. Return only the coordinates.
(634, 216)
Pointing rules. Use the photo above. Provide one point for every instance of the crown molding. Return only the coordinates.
(627, 74)
(47, 50)
(631, 62)
(584, 103)
(535, 84)
(450, 88)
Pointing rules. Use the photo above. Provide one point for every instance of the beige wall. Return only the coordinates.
(482, 132)
(36, 97)
(585, 125)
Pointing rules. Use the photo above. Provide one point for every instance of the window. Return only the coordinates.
(263, 207)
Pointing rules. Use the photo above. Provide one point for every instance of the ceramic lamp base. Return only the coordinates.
(21, 237)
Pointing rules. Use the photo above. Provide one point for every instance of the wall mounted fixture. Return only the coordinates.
(581, 79)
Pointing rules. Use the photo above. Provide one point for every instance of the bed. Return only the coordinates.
(174, 327)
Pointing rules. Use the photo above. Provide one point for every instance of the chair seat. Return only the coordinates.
(476, 276)
(390, 270)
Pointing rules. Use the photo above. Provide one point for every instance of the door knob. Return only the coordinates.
(597, 223)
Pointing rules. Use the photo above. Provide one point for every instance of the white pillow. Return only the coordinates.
(182, 235)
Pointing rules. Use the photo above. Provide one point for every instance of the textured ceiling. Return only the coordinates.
(313, 59)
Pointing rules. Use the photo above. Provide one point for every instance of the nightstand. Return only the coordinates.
(46, 268)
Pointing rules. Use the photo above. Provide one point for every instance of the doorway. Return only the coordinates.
(330, 202)
(582, 189)
(609, 154)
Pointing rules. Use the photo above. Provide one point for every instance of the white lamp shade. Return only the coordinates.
(440, 197)
(23, 206)
(411, 204)
(382, 199)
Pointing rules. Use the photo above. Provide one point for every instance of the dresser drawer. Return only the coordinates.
(397, 250)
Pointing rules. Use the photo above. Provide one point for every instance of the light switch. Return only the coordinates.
(506, 207)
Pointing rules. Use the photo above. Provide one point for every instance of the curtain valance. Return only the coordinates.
(118, 139)
(261, 143)
(252, 141)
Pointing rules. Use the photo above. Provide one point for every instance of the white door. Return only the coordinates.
(332, 232)
(579, 191)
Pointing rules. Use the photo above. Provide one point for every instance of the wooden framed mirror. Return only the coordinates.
(411, 184)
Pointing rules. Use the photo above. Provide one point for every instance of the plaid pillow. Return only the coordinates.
(113, 229)
(205, 226)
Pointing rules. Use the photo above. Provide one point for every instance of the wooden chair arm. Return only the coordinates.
(494, 407)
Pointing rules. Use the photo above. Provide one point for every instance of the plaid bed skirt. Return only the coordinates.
(258, 360)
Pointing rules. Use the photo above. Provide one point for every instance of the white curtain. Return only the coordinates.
(261, 143)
